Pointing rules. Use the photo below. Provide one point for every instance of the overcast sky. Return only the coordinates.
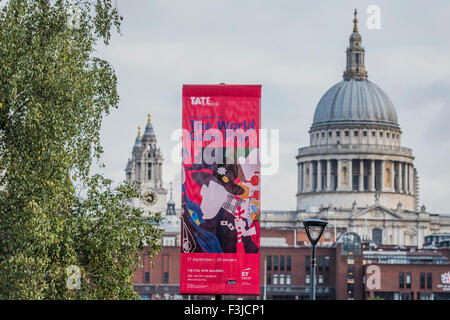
(296, 50)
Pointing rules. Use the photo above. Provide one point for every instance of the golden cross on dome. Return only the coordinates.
(149, 118)
(139, 131)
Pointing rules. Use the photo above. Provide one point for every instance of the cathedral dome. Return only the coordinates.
(355, 101)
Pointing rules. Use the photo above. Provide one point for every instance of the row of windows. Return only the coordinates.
(320, 279)
(282, 279)
(165, 270)
(165, 277)
(285, 279)
(284, 263)
(356, 134)
(405, 280)
(323, 263)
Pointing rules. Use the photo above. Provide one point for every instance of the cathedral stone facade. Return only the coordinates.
(355, 173)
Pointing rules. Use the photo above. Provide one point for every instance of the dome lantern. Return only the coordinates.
(355, 55)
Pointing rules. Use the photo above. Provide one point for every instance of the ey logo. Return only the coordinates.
(245, 272)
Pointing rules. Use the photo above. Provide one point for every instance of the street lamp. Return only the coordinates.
(314, 237)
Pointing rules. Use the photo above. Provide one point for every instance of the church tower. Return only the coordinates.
(145, 166)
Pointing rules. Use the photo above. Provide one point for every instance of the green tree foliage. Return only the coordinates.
(53, 213)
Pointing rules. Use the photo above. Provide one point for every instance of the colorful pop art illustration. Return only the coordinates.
(221, 204)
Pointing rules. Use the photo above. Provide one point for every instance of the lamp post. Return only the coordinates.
(314, 238)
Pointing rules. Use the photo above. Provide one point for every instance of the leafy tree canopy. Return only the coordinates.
(56, 218)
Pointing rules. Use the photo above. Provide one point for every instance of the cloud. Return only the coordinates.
(296, 51)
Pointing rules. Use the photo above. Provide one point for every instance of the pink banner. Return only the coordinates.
(220, 190)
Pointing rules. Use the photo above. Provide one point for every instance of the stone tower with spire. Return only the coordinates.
(355, 55)
(145, 166)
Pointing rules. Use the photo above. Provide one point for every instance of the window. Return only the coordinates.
(351, 270)
(347, 133)
(387, 135)
(327, 235)
(401, 280)
(330, 134)
(422, 280)
(357, 58)
(288, 263)
(350, 290)
(169, 241)
(320, 263)
(275, 279)
(317, 135)
(323, 134)
(320, 279)
(281, 279)
(147, 277)
(364, 133)
(307, 279)
(429, 280)
(377, 236)
(381, 134)
(373, 133)
(269, 278)
(165, 268)
(408, 280)
(356, 133)
(338, 133)
(288, 279)
(275, 263)
(269, 263)
(307, 263)
(282, 263)
(327, 263)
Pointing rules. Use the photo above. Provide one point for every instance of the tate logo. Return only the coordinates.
(203, 101)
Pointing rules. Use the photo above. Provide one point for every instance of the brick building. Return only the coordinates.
(346, 269)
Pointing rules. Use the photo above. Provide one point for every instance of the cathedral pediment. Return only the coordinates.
(376, 212)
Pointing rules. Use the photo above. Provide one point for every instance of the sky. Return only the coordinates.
(296, 50)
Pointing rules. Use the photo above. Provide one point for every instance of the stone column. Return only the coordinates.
(299, 178)
(328, 175)
(338, 175)
(401, 233)
(361, 175)
(304, 165)
(420, 237)
(400, 177)
(382, 180)
(392, 176)
(350, 174)
(319, 176)
(411, 179)
(311, 181)
(395, 232)
(372, 175)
